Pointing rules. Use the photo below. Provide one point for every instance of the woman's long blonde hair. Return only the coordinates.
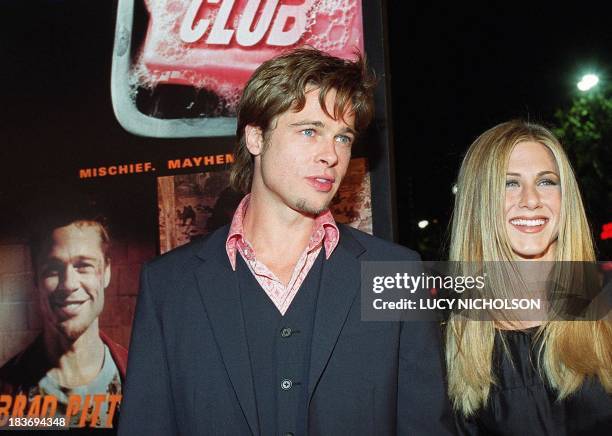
(570, 350)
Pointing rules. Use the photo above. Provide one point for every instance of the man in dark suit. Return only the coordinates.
(256, 329)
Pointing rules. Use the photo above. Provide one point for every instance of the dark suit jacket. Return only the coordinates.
(189, 370)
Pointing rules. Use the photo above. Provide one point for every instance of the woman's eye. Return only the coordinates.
(547, 182)
(512, 183)
(308, 132)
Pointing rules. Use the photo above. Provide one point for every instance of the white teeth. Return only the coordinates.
(528, 223)
(323, 180)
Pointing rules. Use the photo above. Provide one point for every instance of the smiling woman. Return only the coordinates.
(518, 200)
(533, 201)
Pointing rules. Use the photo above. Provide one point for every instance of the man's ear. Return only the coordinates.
(253, 137)
(107, 274)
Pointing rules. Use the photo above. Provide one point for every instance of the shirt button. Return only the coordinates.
(286, 332)
(286, 384)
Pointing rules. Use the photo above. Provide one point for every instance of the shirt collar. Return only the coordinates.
(325, 232)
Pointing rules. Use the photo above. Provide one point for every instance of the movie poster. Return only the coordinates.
(129, 107)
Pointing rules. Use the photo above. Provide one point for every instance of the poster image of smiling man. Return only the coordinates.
(71, 374)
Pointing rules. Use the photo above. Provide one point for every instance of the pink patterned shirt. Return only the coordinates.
(325, 234)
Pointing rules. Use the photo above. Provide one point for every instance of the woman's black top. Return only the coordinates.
(523, 404)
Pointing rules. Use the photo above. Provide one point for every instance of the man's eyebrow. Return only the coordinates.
(321, 124)
(348, 130)
(51, 259)
(85, 257)
(308, 123)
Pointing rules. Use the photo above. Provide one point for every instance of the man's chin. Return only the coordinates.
(71, 330)
(309, 208)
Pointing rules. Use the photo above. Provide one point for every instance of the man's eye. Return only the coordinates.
(308, 132)
(512, 184)
(344, 139)
(84, 267)
(49, 272)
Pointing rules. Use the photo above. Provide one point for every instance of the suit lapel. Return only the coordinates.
(218, 286)
(339, 286)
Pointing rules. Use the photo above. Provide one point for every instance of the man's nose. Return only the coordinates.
(327, 152)
(69, 280)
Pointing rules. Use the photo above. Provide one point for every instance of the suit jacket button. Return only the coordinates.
(286, 332)
(286, 384)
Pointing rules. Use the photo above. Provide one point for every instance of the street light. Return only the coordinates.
(587, 82)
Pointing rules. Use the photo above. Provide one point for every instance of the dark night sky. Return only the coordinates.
(455, 71)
